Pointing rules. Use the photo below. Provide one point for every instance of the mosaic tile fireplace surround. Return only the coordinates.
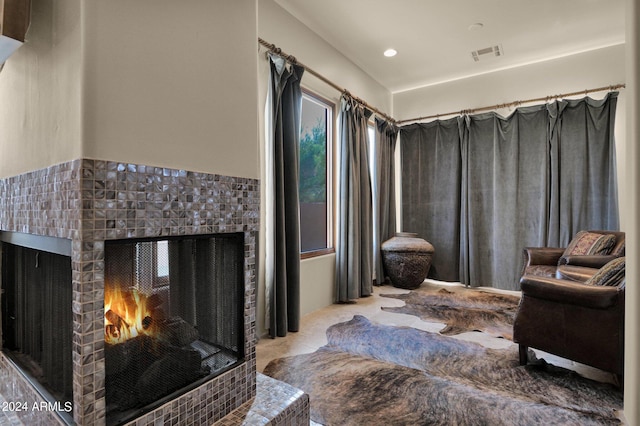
(91, 202)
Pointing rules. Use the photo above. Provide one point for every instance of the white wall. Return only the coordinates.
(578, 72)
(278, 27)
(153, 82)
(40, 95)
(172, 83)
(632, 210)
(594, 69)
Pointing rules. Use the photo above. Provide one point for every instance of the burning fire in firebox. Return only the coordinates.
(128, 313)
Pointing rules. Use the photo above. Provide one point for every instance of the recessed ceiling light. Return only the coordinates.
(390, 53)
(476, 26)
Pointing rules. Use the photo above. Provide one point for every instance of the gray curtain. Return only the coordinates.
(205, 276)
(385, 146)
(490, 185)
(504, 194)
(584, 187)
(431, 161)
(284, 295)
(354, 246)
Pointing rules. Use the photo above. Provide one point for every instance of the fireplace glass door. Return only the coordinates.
(37, 321)
(173, 318)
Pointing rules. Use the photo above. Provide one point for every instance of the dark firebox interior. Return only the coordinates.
(37, 316)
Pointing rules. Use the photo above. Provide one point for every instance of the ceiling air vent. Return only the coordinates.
(487, 52)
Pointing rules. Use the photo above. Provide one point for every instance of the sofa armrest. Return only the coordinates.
(569, 292)
(593, 261)
(542, 255)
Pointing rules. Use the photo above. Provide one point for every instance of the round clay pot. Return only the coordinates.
(407, 259)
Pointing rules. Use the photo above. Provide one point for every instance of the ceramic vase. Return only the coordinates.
(407, 259)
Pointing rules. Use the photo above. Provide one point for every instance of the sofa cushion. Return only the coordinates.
(590, 243)
(611, 274)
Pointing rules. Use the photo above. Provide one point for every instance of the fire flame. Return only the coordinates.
(127, 314)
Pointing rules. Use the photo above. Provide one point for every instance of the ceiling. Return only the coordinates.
(434, 41)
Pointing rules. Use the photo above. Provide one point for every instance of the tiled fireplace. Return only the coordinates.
(107, 210)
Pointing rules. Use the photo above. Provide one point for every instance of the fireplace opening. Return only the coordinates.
(173, 318)
(37, 322)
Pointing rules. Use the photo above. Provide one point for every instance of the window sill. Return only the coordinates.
(316, 253)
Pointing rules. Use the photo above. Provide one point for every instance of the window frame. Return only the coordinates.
(330, 106)
(147, 268)
(159, 281)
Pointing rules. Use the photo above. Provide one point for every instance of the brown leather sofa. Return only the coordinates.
(550, 262)
(563, 313)
(581, 322)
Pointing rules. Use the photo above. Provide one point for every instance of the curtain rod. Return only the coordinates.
(293, 60)
(514, 103)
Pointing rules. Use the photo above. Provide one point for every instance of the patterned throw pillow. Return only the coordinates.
(590, 243)
(611, 274)
(618, 251)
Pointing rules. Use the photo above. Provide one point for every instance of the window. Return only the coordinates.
(152, 264)
(315, 176)
(373, 175)
(372, 167)
(162, 259)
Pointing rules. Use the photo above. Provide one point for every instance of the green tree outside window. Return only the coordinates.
(313, 164)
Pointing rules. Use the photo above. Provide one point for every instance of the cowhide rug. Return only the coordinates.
(370, 374)
(460, 308)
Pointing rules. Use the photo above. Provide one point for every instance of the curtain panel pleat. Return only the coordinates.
(386, 135)
(583, 164)
(506, 194)
(283, 279)
(431, 161)
(354, 246)
(481, 188)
